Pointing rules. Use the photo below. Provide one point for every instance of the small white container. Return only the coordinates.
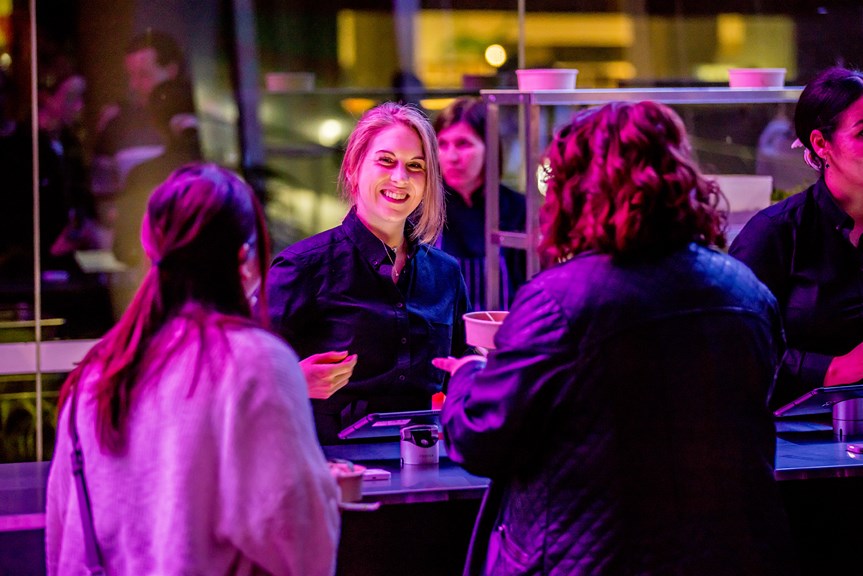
(546, 79)
(745, 192)
(289, 81)
(480, 327)
(756, 77)
(349, 477)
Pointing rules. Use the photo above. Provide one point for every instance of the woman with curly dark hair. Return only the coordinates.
(624, 183)
(622, 416)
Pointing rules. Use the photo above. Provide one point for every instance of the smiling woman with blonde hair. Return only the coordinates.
(368, 304)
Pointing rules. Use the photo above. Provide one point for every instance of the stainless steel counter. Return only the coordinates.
(804, 450)
(436, 505)
(409, 484)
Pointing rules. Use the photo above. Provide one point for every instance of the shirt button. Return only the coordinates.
(404, 340)
(402, 378)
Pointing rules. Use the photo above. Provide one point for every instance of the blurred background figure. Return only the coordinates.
(66, 208)
(172, 108)
(461, 136)
(169, 398)
(408, 89)
(622, 417)
(776, 156)
(127, 133)
(66, 205)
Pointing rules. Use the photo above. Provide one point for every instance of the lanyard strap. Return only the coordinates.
(92, 558)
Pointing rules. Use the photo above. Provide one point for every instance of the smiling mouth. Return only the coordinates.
(394, 196)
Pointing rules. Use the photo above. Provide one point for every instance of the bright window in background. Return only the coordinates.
(608, 48)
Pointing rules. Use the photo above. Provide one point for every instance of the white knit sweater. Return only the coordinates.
(225, 478)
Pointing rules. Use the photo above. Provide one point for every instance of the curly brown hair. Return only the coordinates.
(621, 180)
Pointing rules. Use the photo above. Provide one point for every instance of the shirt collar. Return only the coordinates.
(369, 245)
(836, 217)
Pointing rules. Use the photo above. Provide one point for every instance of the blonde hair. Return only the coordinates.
(428, 218)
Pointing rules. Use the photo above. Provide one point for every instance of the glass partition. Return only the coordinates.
(277, 86)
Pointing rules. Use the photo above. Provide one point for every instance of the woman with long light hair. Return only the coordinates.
(368, 304)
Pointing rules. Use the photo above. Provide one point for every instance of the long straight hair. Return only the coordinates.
(195, 225)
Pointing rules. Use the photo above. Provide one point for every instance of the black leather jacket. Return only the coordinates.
(623, 421)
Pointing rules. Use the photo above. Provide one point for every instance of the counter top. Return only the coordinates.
(409, 484)
(22, 496)
(805, 449)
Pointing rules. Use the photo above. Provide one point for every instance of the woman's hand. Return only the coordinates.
(450, 364)
(846, 369)
(326, 373)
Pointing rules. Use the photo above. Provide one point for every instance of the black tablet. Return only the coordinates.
(820, 400)
(384, 425)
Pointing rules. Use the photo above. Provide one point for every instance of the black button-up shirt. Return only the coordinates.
(334, 291)
(464, 238)
(801, 249)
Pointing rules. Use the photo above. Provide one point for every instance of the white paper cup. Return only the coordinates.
(349, 477)
(480, 327)
(756, 77)
(546, 79)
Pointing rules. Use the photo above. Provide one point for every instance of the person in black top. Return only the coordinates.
(65, 203)
(172, 107)
(806, 249)
(461, 137)
(368, 304)
(127, 134)
(67, 222)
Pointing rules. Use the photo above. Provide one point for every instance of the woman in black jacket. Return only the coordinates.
(622, 416)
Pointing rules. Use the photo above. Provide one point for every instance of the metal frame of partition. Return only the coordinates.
(531, 106)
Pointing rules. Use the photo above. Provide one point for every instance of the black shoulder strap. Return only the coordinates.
(92, 556)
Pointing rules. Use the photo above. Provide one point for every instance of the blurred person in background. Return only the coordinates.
(173, 111)
(67, 221)
(461, 137)
(127, 133)
(65, 203)
(622, 417)
(197, 438)
(368, 304)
